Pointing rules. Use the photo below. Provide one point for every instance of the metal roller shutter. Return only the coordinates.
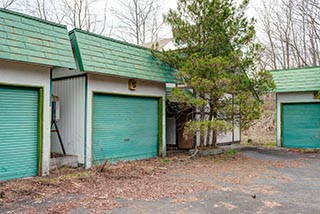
(301, 125)
(18, 132)
(124, 127)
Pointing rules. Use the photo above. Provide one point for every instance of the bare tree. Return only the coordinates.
(50, 10)
(139, 20)
(89, 15)
(6, 4)
(39, 8)
(79, 15)
(290, 33)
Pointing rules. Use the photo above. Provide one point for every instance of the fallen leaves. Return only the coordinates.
(298, 163)
(146, 180)
(141, 180)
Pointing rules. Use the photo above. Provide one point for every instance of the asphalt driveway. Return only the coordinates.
(246, 180)
(299, 193)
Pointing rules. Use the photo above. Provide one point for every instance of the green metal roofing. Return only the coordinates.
(29, 39)
(298, 79)
(108, 56)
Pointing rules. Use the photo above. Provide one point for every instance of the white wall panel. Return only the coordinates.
(227, 137)
(71, 93)
(223, 137)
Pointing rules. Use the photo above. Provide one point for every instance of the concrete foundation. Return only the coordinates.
(67, 161)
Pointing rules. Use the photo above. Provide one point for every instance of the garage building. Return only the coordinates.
(113, 105)
(298, 107)
(30, 50)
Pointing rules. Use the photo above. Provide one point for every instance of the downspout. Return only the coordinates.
(85, 120)
(51, 89)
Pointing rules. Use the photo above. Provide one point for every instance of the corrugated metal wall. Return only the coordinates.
(300, 131)
(72, 116)
(19, 111)
(37, 76)
(101, 83)
(124, 127)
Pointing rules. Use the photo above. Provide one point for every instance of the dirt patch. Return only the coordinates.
(238, 171)
(146, 180)
(262, 132)
(137, 180)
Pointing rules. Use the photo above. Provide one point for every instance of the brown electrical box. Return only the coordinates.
(132, 85)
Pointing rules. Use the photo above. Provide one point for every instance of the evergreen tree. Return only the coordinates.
(216, 57)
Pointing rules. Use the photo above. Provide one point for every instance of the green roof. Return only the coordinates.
(108, 56)
(298, 79)
(29, 39)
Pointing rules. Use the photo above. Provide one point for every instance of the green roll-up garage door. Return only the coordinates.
(124, 127)
(18, 132)
(301, 125)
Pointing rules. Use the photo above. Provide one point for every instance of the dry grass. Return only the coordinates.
(263, 132)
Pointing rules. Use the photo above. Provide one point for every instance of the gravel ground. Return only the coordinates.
(243, 180)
